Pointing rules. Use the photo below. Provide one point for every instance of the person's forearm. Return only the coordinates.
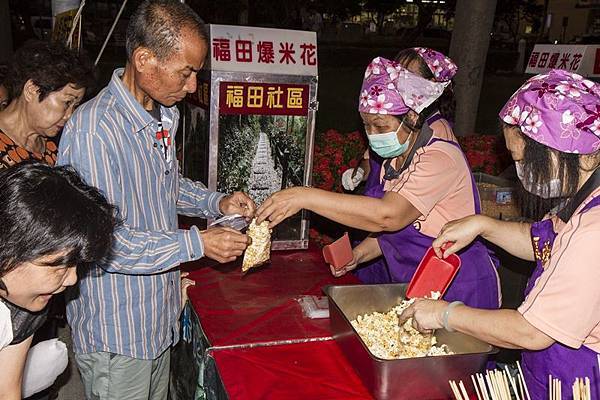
(141, 252)
(367, 250)
(14, 395)
(502, 328)
(357, 211)
(196, 201)
(514, 237)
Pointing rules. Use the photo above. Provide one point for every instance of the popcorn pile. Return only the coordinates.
(387, 340)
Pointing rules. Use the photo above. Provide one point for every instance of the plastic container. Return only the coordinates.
(493, 188)
(338, 253)
(498, 197)
(433, 275)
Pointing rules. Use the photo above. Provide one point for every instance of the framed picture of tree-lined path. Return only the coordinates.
(250, 126)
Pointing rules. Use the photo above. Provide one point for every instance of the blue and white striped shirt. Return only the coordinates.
(130, 303)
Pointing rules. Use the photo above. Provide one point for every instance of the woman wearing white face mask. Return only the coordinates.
(418, 180)
(551, 129)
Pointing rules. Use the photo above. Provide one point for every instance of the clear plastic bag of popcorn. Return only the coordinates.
(259, 251)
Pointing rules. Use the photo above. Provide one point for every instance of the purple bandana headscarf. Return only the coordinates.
(389, 88)
(442, 67)
(558, 109)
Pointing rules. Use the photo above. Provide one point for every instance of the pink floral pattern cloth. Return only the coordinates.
(442, 67)
(389, 88)
(559, 109)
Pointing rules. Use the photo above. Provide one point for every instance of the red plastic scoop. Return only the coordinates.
(433, 274)
(338, 253)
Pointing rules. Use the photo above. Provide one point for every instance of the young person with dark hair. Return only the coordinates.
(419, 180)
(551, 126)
(124, 322)
(45, 83)
(53, 227)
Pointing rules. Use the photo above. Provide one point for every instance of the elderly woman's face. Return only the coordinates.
(47, 117)
(32, 284)
(383, 123)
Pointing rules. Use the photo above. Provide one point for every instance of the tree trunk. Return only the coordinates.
(244, 11)
(5, 33)
(380, 21)
(473, 24)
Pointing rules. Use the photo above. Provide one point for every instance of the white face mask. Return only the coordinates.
(548, 190)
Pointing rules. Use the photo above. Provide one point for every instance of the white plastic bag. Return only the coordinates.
(45, 362)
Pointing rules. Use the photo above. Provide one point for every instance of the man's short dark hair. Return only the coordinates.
(47, 210)
(50, 66)
(156, 25)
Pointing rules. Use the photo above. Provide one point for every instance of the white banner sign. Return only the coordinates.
(271, 51)
(581, 59)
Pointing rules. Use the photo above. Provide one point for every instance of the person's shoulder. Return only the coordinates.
(97, 107)
(443, 152)
(94, 117)
(588, 220)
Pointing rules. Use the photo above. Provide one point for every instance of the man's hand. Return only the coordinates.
(223, 244)
(237, 203)
(282, 205)
(185, 284)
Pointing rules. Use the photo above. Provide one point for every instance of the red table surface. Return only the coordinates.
(260, 306)
(307, 371)
(313, 370)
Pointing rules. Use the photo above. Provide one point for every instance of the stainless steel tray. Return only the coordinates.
(411, 378)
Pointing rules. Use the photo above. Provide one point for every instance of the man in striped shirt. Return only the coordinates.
(125, 316)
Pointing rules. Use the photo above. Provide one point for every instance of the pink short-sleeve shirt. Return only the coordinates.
(437, 183)
(565, 301)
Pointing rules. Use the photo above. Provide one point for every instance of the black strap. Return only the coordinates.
(24, 322)
(424, 137)
(588, 187)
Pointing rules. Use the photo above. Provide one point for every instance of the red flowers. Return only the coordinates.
(334, 153)
(486, 153)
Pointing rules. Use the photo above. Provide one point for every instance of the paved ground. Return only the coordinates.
(68, 386)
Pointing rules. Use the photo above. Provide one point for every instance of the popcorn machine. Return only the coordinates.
(250, 125)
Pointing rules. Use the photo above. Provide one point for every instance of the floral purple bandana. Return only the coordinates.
(558, 109)
(389, 88)
(442, 67)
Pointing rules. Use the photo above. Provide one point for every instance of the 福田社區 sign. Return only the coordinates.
(263, 50)
(253, 98)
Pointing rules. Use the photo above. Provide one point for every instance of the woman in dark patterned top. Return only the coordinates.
(53, 226)
(45, 83)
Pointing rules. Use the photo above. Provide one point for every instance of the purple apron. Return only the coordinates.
(557, 360)
(476, 283)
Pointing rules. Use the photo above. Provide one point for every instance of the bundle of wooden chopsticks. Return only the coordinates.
(581, 389)
(494, 385)
(501, 385)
